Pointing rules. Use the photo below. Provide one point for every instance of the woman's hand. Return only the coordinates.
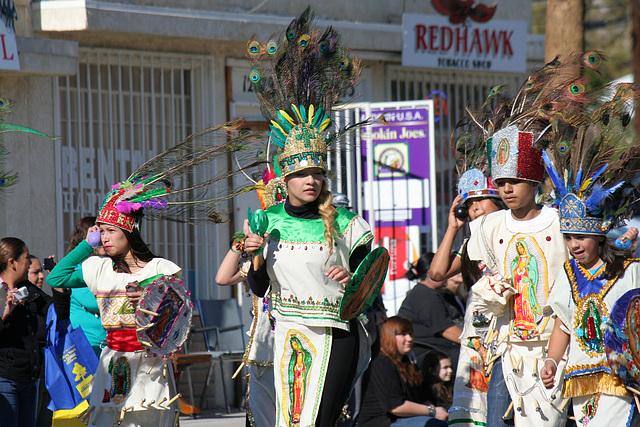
(254, 242)
(441, 413)
(454, 221)
(632, 235)
(339, 274)
(134, 293)
(12, 303)
(548, 373)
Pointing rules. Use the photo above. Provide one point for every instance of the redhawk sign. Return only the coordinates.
(432, 41)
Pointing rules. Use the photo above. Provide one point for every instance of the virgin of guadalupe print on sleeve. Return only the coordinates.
(528, 269)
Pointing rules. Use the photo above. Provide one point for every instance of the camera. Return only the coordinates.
(21, 293)
(48, 263)
(461, 212)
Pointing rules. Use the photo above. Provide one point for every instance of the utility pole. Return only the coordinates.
(564, 30)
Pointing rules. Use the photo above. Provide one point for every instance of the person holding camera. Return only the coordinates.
(22, 330)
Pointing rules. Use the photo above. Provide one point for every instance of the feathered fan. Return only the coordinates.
(560, 89)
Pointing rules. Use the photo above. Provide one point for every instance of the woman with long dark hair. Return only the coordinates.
(22, 335)
(437, 372)
(128, 389)
(395, 395)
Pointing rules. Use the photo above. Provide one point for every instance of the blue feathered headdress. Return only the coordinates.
(593, 161)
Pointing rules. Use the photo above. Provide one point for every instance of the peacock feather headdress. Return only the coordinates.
(298, 76)
(593, 164)
(517, 129)
(176, 184)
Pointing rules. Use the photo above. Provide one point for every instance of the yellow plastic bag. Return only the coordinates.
(69, 417)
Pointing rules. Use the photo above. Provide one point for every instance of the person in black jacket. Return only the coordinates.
(22, 332)
(395, 395)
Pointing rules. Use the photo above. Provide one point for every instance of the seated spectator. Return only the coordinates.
(395, 393)
(438, 378)
(436, 323)
(456, 296)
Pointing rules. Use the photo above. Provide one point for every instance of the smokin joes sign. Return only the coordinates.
(433, 41)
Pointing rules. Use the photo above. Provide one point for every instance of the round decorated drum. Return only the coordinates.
(164, 316)
(365, 284)
(622, 338)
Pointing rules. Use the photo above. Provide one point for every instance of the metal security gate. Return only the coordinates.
(119, 110)
(451, 91)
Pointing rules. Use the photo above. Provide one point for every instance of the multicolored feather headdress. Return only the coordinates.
(518, 129)
(176, 185)
(593, 161)
(298, 76)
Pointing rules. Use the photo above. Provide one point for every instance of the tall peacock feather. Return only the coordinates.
(594, 156)
(517, 129)
(9, 178)
(176, 185)
(472, 164)
(298, 76)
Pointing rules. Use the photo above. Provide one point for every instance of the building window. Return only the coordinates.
(119, 110)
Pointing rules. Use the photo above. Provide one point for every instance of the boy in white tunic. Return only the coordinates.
(524, 245)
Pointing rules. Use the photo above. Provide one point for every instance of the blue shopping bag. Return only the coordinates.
(70, 363)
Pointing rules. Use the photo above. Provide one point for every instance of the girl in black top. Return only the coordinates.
(395, 394)
(437, 372)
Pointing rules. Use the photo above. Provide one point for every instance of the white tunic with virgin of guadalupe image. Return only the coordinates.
(306, 305)
(528, 254)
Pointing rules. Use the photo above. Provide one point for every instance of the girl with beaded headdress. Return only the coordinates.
(131, 386)
(592, 174)
(310, 248)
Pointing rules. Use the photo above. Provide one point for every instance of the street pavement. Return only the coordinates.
(214, 418)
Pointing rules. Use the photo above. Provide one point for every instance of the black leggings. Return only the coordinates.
(342, 369)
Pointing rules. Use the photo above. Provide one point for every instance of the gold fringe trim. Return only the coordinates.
(602, 382)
